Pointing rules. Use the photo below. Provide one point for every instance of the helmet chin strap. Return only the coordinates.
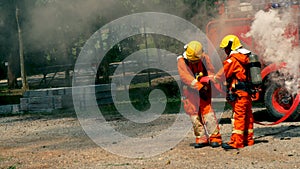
(228, 48)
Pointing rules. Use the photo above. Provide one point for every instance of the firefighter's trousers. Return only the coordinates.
(204, 121)
(242, 121)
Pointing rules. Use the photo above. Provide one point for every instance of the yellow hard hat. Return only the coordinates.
(193, 51)
(231, 38)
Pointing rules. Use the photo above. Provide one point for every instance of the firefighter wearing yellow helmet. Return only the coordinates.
(194, 67)
(193, 51)
(231, 41)
(238, 95)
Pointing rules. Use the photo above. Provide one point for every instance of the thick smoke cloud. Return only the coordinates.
(49, 21)
(63, 20)
(272, 32)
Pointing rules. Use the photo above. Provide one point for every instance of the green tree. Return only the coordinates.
(54, 30)
(200, 11)
(9, 41)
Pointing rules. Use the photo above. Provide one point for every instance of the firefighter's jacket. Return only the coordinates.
(234, 68)
(235, 71)
(190, 74)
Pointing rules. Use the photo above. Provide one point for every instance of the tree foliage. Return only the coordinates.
(54, 31)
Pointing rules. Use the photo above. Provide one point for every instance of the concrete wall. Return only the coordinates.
(47, 100)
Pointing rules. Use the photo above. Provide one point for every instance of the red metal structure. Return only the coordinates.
(236, 18)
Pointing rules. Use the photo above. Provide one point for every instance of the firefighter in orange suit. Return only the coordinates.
(238, 95)
(193, 66)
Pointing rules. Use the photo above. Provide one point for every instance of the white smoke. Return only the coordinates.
(269, 30)
(51, 22)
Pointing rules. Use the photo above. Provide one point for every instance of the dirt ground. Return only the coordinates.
(58, 141)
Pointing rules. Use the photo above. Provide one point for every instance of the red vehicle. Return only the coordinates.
(236, 18)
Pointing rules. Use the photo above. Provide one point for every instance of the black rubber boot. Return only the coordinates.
(215, 144)
(200, 145)
(227, 146)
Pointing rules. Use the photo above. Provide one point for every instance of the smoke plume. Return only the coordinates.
(52, 22)
(273, 32)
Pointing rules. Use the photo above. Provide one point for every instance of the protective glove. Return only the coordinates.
(197, 85)
(212, 79)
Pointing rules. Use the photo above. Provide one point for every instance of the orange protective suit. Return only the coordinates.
(197, 98)
(242, 121)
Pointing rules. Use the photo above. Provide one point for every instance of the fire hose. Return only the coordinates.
(290, 112)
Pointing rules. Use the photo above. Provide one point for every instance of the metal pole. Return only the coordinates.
(22, 64)
(147, 55)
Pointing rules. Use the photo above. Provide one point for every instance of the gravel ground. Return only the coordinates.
(58, 141)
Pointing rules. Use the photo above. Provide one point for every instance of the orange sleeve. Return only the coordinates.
(186, 75)
(229, 67)
(184, 71)
(220, 77)
(227, 71)
(234, 69)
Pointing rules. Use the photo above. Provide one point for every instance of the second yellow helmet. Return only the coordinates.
(233, 39)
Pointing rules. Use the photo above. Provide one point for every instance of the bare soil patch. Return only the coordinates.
(58, 141)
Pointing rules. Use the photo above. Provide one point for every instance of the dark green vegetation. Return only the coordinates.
(52, 32)
(139, 99)
(49, 34)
